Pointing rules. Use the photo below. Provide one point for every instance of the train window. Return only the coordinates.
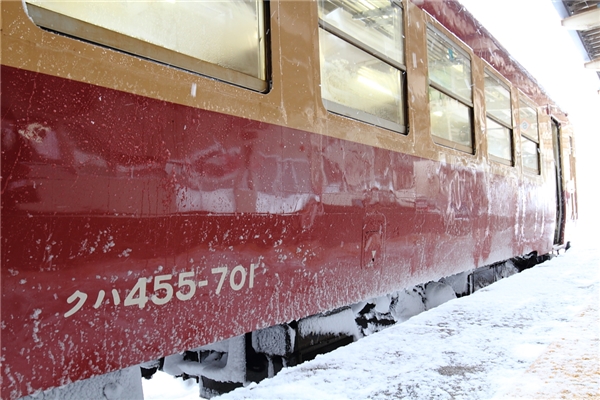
(499, 120)
(450, 121)
(362, 61)
(196, 36)
(530, 142)
(450, 93)
(529, 151)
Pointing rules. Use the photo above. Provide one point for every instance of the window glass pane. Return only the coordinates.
(226, 33)
(376, 23)
(499, 140)
(497, 100)
(528, 121)
(352, 78)
(449, 67)
(529, 153)
(450, 119)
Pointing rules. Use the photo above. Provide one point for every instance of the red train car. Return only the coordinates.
(179, 173)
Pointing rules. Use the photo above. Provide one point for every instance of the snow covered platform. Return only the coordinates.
(533, 335)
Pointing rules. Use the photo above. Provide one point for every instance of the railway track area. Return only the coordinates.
(533, 335)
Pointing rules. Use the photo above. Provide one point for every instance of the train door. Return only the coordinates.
(560, 200)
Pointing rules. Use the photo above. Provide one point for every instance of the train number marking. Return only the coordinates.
(163, 291)
(184, 281)
(236, 283)
(251, 280)
(160, 284)
(116, 297)
(140, 290)
(82, 298)
(100, 298)
(240, 271)
(223, 272)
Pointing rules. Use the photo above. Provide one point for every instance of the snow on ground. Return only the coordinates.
(533, 335)
(163, 386)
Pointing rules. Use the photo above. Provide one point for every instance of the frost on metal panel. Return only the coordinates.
(339, 322)
(225, 363)
(273, 340)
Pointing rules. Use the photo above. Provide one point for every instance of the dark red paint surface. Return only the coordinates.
(101, 188)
